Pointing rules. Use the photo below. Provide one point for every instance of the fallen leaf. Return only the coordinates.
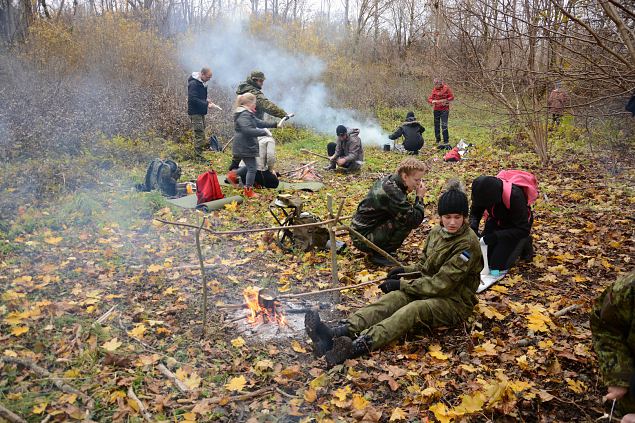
(398, 414)
(39, 409)
(238, 342)
(359, 402)
(435, 351)
(54, 240)
(310, 395)
(236, 384)
(138, 331)
(295, 345)
(111, 345)
(19, 330)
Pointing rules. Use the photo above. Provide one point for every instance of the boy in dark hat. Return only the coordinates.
(412, 131)
(347, 152)
(444, 293)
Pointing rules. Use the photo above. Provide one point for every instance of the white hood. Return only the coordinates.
(197, 76)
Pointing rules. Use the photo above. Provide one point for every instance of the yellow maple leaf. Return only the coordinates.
(189, 417)
(68, 398)
(115, 395)
(39, 409)
(489, 312)
(310, 395)
(319, 381)
(236, 384)
(359, 402)
(232, 207)
(153, 268)
(295, 345)
(486, 348)
(342, 393)
(435, 351)
(19, 330)
(470, 403)
(398, 414)
(193, 381)
(440, 412)
(138, 331)
(238, 342)
(576, 386)
(262, 365)
(537, 321)
(111, 345)
(53, 240)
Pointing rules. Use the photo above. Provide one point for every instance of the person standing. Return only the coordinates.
(265, 175)
(412, 131)
(347, 152)
(253, 84)
(197, 106)
(440, 99)
(248, 128)
(557, 102)
(386, 217)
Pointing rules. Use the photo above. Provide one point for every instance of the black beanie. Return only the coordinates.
(410, 115)
(453, 200)
(341, 130)
(487, 191)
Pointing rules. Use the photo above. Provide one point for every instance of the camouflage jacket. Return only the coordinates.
(450, 265)
(387, 200)
(613, 327)
(263, 104)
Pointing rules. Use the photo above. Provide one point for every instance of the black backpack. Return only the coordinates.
(162, 175)
(214, 145)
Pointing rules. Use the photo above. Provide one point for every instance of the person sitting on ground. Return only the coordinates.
(248, 127)
(443, 295)
(507, 231)
(411, 130)
(613, 330)
(347, 152)
(265, 177)
(253, 84)
(386, 217)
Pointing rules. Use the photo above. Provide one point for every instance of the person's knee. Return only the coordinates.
(330, 148)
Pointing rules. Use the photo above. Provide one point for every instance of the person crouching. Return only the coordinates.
(443, 295)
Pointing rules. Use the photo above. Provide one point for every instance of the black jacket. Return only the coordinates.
(509, 224)
(411, 130)
(248, 129)
(196, 97)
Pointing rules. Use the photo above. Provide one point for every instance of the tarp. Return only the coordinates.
(487, 279)
(293, 186)
(189, 202)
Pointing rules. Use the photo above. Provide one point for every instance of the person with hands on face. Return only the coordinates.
(613, 330)
(385, 216)
(444, 293)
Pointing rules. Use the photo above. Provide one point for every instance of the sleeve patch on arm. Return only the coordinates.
(465, 256)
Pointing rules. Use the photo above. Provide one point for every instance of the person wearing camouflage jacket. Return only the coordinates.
(386, 217)
(613, 328)
(444, 293)
(253, 85)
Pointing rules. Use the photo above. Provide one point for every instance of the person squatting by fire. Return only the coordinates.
(443, 295)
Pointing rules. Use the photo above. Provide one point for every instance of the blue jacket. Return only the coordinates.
(196, 97)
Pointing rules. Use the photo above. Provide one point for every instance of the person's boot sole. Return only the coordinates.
(311, 324)
(341, 351)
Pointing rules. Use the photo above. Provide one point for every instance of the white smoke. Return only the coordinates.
(292, 80)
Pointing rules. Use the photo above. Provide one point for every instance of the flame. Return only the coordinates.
(259, 314)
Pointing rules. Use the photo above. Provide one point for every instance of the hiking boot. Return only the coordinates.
(444, 147)
(233, 179)
(379, 260)
(329, 167)
(345, 348)
(527, 252)
(321, 335)
(249, 192)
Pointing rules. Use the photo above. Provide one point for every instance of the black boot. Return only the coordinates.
(321, 335)
(379, 260)
(527, 252)
(345, 348)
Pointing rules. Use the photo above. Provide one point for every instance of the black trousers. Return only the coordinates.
(264, 178)
(330, 149)
(441, 124)
(503, 254)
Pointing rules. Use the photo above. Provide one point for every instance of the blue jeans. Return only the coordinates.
(250, 163)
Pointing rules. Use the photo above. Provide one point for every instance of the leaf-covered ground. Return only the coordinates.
(516, 359)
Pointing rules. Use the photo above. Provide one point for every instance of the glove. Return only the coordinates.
(390, 285)
(490, 239)
(281, 122)
(267, 132)
(392, 274)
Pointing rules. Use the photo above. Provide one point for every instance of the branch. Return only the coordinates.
(10, 415)
(371, 245)
(142, 409)
(172, 377)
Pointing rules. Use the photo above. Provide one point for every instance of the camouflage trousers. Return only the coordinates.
(388, 236)
(396, 313)
(198, 127)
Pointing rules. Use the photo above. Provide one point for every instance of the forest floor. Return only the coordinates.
(516, 359)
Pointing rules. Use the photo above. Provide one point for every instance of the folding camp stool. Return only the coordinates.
(284, 209)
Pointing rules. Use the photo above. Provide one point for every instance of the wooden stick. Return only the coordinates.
(371, 245)
(329, 206)
(10, 416)
(203, 279)
(246, 231)
(142, 409)
(565, 310)
(106, 315)
(299, 168)
(41, 371)
(228, 142)
(244, 397)
(172, 378)
(303, 150)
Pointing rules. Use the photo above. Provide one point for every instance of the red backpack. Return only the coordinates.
(525, 180)
(207, 187)
(452, 155)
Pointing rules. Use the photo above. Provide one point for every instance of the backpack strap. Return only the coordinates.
(148, 181)
(507, 193)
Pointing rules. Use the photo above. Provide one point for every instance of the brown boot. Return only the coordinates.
(249, 192)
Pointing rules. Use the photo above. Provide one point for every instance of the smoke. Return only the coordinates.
(293, 81)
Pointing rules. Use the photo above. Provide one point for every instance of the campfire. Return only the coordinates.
(263, 306)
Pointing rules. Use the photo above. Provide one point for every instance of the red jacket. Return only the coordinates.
(443, 93)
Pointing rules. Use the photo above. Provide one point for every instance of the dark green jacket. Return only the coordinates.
(387, 200)
(263, 104)
(613, 327)
(451, 266)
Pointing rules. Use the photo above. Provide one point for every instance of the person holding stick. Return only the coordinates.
(443, 294)
(613, 330)
(347, 151)
(386, 217)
